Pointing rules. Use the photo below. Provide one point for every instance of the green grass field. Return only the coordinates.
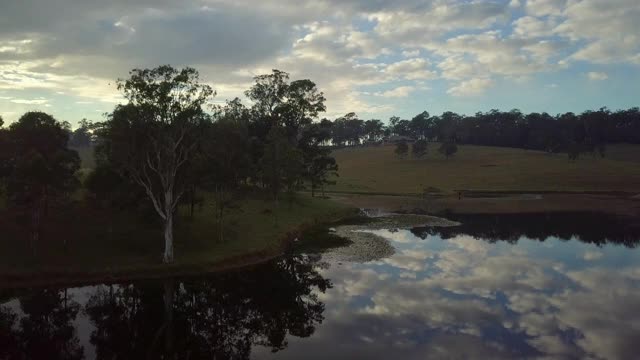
(379, 170)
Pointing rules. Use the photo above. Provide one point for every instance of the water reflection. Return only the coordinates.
(220, 317)
(462, 297)
(595, 228)
(42, 327)
(445, 293)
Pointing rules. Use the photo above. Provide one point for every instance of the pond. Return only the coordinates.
(507, 286)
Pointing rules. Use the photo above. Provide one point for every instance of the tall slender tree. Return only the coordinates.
(152, 138)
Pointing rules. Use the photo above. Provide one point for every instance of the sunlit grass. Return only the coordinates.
(379, 170)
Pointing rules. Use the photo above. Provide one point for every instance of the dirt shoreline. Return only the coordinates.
(620, 204)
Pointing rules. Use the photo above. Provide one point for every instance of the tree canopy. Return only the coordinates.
(151, 139)
(38, 168)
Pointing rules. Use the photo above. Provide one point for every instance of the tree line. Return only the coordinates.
(588, 132)
(168, 141)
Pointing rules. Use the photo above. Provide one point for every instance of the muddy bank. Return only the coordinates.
(367, 246)
(610, 203)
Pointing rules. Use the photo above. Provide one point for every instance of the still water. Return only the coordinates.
(511, 286)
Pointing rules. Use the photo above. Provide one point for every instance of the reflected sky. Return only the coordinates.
(463, 297)
(443, 294)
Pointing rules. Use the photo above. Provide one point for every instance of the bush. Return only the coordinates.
(419, 148)
(448, 149)
(402, 149)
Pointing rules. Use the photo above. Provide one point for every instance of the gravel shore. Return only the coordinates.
(370, 247)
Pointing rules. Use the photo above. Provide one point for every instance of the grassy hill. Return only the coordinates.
(379, 170)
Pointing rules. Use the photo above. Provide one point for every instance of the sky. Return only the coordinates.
(374, 57)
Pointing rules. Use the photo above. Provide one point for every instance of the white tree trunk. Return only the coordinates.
(168, 228)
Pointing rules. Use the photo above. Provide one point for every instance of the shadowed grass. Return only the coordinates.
(81, 239)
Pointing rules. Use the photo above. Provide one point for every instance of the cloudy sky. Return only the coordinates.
(374, 57)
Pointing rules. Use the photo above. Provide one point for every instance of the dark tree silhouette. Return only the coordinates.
(281, 111)
(402, 149)
(81, 137)
(448, 149)
(152, 139)
(373, 129)
(595, 228)
(591, 130)
(39, 168)
(320, 166)
(419, 148)
(45, 330)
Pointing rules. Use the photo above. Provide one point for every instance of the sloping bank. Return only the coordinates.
(255, 233)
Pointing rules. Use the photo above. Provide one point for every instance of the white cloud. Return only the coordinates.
(545, 7)
(609, 27)
(47, 48)
(531, 27)
(399, 92)
(560, 313)
(471, 87)
(411, 53)
(481, 55)
(331, 44)
(39, 101)
(411, 69)
(598, 76)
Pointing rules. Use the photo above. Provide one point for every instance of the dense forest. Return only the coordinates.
(589, 131)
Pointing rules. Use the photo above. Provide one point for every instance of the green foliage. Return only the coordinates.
(400, 127)
(286, 146)
(282, 163)
(81, 137)
(38, 168)
(374, 129)
(276, 102)
(538, 131)
(448, 149)
(419, 148)
(153, 139)
(108, 189)
(5, 151)
(347, 130)
(421, 126)
(402, 149)
(319, 165)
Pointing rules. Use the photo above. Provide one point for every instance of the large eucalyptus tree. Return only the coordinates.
(152, 138)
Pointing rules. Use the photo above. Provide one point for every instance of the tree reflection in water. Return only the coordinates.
(221, 317)
(594, 228)
(45, 329)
